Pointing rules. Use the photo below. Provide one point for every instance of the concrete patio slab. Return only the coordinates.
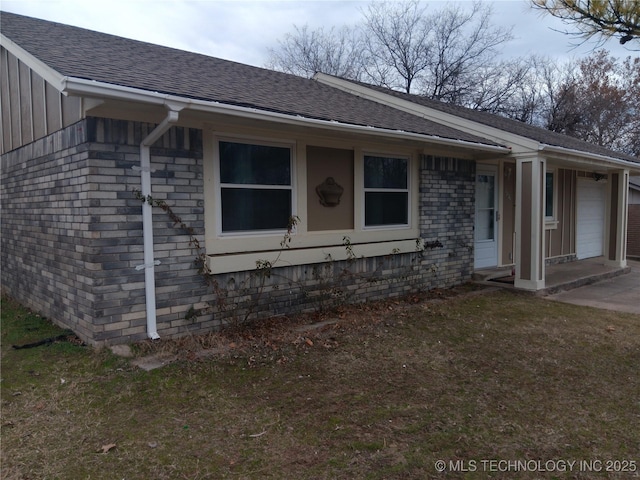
(558, 277)
(620, 293)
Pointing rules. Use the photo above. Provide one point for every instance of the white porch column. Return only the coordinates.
(530, 185)
(615, 237)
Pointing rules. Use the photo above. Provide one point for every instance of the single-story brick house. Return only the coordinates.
(388, 194)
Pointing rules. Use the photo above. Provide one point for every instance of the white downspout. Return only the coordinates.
(147, 218)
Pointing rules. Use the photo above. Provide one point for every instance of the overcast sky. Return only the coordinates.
(243, 31)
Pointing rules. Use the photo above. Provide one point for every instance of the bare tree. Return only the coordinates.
(505, 88)
(631, 85)
(445, 55)
(597, 18)
(305, 52)
(610, 101)
(398, 43)
(556, 86)
(596, 99)
(530, 89)
(450, 55)
(464, 45)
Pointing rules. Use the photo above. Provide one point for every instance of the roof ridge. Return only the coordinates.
(141, 42)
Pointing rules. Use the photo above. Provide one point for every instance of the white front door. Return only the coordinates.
(591, 200)
(486, 231)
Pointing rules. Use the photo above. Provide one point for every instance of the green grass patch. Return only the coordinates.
(384, 391)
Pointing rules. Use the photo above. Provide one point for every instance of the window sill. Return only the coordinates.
(550, 224)
(239, 262)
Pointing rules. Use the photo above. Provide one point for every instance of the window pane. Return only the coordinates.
(382, 172)
(549, 195)
(386, 208)
(484, 225)
(485, 191)
(255, 209)
(254, 164)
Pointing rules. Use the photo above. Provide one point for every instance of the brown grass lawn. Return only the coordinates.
(474, 378)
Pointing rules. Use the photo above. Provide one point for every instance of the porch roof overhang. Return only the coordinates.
(581, 159)
(91, 89)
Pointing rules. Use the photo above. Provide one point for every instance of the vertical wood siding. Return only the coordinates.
(31, 108)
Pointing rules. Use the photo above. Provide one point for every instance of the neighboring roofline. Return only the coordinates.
(634, 184)
(95, 89)
(422, 111)
(632, 166)
(478, 128)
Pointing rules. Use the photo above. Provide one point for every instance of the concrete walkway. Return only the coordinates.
(620, 293)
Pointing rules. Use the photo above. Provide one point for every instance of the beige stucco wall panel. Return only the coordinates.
(337, 164)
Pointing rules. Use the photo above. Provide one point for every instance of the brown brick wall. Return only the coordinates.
(72, 228)
(46, 228)
(72, 239)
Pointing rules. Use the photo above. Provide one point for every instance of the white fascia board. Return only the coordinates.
(593, 158)
(469, 126)
(90, 88)
(50, 75)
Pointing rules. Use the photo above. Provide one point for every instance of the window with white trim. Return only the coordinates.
(256, 191)
(386, 191)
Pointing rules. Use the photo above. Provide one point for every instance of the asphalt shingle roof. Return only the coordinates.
(522, 129)
(86, 54)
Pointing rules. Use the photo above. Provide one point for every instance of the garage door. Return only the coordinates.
(590, 218)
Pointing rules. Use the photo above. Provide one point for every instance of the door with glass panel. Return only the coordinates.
(486, 229)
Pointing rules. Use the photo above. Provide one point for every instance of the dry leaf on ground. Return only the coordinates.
(106, 448)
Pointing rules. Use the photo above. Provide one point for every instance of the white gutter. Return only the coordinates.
(591, 156)
(147, 218)
(90, 88)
